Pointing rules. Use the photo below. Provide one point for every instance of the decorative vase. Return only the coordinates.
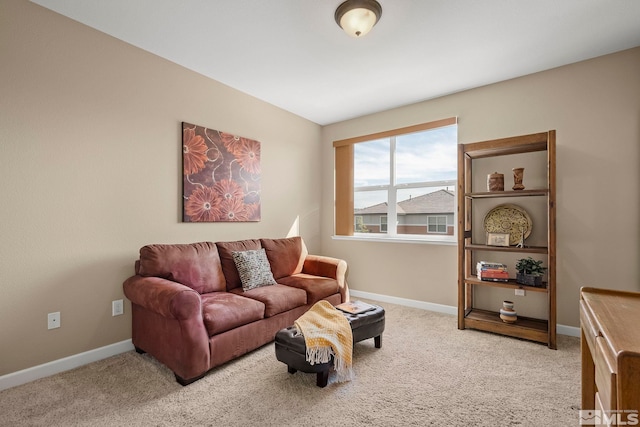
(517, 178)
(507, 313)
(495, 182)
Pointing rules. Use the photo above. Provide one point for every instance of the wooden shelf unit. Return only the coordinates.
(524, 327)
(539, 330)
(511, 284)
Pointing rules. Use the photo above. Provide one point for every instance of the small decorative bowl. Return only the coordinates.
(507, 305)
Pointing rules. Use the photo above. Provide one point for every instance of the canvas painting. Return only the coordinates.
(221, 176)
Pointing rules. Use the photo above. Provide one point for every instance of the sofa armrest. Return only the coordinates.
(164, 297)
(167, 323)
(333, 268)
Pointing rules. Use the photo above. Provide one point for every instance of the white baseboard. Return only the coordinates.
(447, 309)
(30, 374)
(571, 331)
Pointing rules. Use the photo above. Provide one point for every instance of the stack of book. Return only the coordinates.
(492, 271)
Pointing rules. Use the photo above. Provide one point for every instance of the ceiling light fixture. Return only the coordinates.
(357, 17)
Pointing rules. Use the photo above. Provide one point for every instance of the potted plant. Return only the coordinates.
(530, 272)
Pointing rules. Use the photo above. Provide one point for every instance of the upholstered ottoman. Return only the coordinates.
(291, 349)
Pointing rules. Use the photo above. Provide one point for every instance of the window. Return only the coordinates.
(437, 224)
(400, 182)
(383, 224)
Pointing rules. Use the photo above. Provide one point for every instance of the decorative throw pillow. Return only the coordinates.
(253, 268)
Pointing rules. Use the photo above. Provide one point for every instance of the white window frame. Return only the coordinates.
(392, 191)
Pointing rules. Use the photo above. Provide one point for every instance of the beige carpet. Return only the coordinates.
(426, 373)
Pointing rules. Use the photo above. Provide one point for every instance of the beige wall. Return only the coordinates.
(90, 167)
(90, 171)
(595, 108)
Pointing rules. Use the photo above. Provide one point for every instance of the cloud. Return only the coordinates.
(420, 157)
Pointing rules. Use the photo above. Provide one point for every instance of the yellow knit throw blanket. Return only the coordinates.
(327, 333)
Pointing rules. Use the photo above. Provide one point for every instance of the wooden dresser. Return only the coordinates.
(610, 347)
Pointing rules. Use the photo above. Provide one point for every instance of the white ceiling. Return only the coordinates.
(292, 54)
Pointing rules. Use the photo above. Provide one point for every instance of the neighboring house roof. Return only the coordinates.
(441, 201)
(380, 208)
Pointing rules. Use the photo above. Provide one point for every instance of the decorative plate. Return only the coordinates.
(510, 219)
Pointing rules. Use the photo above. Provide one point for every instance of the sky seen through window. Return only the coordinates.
(424, 156)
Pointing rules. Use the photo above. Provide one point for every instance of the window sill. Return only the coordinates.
(431, 240)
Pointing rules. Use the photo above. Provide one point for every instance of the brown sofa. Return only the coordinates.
(190, 310)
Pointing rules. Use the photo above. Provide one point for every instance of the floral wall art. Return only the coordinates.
(221, 176)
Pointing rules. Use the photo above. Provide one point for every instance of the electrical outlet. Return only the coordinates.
(53, 320)
(520, 292)
(117, 307)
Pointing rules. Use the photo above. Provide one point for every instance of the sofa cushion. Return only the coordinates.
(226, 258)
(316, 287)
(276, 298)
(196, 265)
(253, 268)
(286, 256)
(223, 311)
